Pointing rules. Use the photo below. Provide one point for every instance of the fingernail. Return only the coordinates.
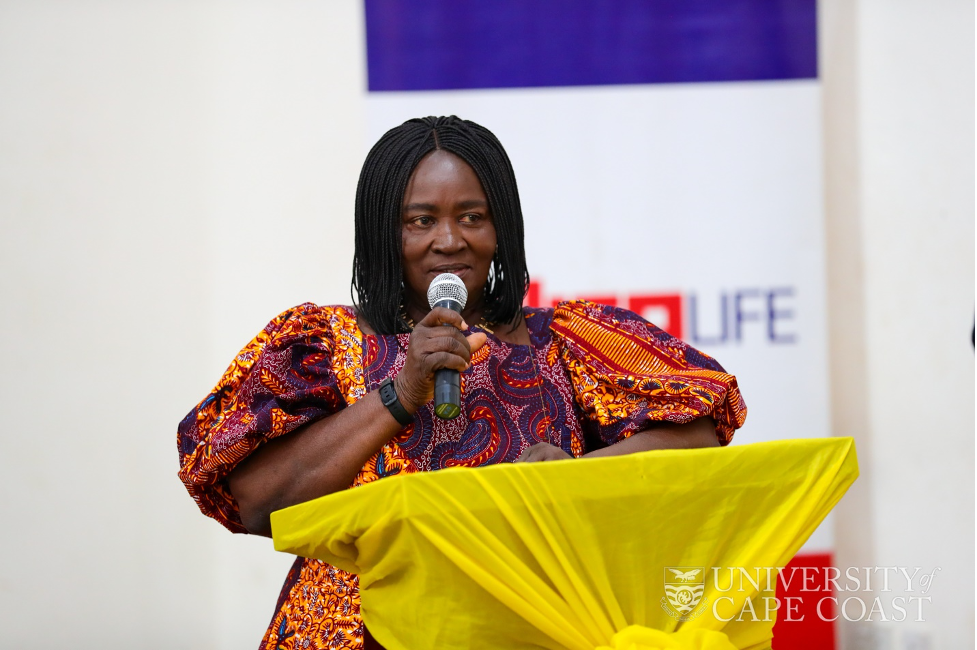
(464, 325)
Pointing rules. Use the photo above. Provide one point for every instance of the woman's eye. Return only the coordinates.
(423, 221)
(470, 218)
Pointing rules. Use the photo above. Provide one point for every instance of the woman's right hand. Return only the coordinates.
(437, 342)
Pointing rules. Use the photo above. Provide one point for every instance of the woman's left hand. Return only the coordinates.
(542, 451)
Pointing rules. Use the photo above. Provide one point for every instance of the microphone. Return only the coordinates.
(447, 290)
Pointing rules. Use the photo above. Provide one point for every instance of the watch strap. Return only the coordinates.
(388, 395)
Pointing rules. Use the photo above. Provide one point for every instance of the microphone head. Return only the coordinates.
(447, 286)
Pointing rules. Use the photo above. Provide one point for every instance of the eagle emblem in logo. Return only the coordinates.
(683, 590)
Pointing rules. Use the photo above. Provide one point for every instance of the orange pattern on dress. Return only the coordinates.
(320, 606)
(206, 457)
(619, 371)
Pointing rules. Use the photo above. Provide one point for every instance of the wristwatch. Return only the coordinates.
(388, 395)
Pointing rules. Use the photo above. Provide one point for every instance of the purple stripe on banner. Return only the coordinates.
(450, 44)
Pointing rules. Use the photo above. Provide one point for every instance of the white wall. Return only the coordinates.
(899, 128)
(172, 174)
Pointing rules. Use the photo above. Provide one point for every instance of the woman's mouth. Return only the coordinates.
(457, 269)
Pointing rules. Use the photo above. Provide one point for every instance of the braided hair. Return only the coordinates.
(377, 264)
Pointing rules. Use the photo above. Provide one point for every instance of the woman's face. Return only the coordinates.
(447, 228)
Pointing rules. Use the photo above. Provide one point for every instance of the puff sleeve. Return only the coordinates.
(281, 380)
(626, 372)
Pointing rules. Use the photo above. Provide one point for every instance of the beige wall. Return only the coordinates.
(172, 174)
(899, 154)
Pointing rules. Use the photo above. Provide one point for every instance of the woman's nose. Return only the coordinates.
(447, 237)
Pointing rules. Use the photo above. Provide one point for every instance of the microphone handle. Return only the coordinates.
(447, 393)
(447, 382)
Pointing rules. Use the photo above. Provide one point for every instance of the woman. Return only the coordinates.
(331, 397)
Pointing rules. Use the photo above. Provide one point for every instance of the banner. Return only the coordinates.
(668, 156)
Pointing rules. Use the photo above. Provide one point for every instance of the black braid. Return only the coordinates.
(377, 271)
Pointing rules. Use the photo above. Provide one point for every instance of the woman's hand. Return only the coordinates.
(542, 451)
(664, 435)
(437, 342)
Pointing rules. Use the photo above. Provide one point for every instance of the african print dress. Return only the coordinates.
(591, 376)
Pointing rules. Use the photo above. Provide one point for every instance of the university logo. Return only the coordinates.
(683, 592)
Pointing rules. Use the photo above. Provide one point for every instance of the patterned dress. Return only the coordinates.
(591, 376)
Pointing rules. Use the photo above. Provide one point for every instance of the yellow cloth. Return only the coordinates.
(636, 637)
(571, 554)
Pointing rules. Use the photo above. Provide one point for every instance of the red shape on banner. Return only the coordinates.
(806, 630)
(669, 305)
(533, 295)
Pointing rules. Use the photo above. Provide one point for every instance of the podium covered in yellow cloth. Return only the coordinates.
(662, 549)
